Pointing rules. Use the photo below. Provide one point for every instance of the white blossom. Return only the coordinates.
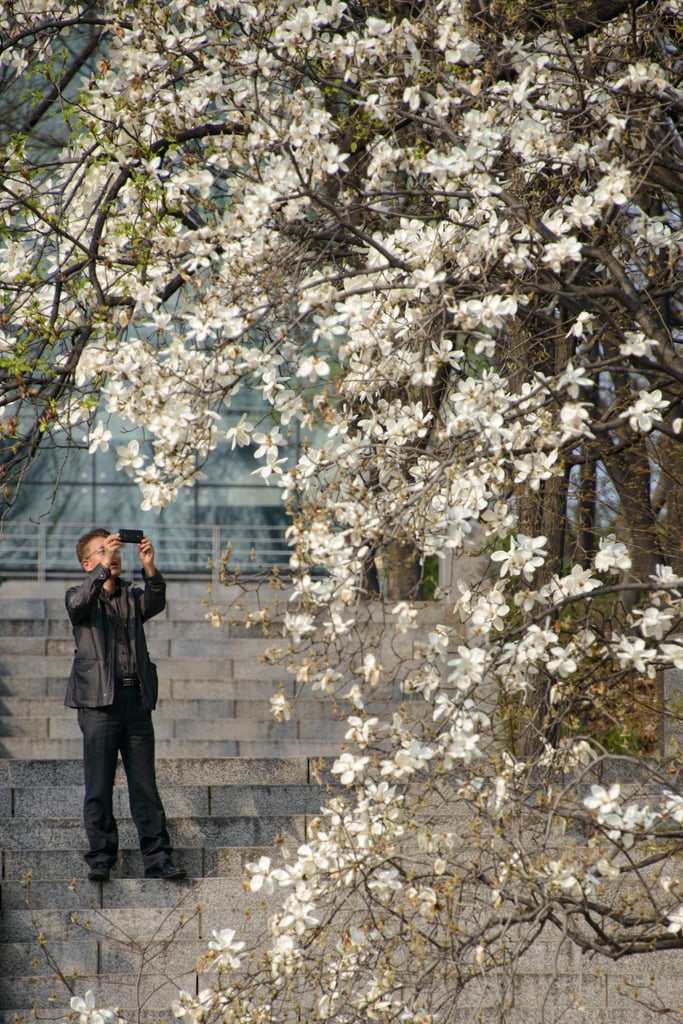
(349, 768)
(129, 457)
(88, 1011)
(644, 413)
(605, 803)
(225, 949)
(281, 707)
(385, 883)
(675, 920)
(612, 555)
(523, 557)
(99, 439)
(637, 344)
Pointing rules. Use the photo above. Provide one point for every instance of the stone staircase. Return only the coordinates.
(214, 684)
(134, 942)
(234, 782)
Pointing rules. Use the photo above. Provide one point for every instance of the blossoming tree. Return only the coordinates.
(445, 240)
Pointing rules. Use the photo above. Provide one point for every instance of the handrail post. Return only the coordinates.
(216, 555)
(41, 548)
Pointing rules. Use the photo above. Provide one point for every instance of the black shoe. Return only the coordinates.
(99, 873)
(165, 870)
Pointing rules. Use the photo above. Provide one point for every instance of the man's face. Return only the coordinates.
(100, 550)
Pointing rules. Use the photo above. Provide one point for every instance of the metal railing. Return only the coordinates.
(45, 550)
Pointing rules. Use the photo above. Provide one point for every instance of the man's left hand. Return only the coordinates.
(146, 555)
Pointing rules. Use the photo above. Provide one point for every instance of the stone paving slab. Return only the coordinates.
(34, 803)
(20, 749)
(27, 958)
(127, 992)
(225, 771)
(185, 832)
(68, 866)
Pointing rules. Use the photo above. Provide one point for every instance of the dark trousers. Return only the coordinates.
(126, 728)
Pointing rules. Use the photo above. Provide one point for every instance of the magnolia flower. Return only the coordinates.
(370, 669)
(604, 802)
(565, 877)
(459, 744)
(183, 1008)
(488, 612)
(281, 707)
(673, 806)
(299, 912)
(427, 901)
(645, 412)
(636, 344)
(240, 434)
(555, 254)
(654, 622)
(607, 869)
(99, 439)
(298, 625)
(573, 378)
(613, 187)
(411, 757)
(612, 555)
(193, 1009)
(407, 616)
(633, 652)
(354, 695)
(579, 581)
(225, 949)
(88, 1012)
(428, 279)
(581, 325)
(129, 457)
(581, 211)
(674, 653)
(675, 920)
(215, 617)
(468, 667)
(641, 76)
(384, 883)
(665, 576)
(523, 557)
(411, 96)
(312, 368)
(263, 878)
(268, 445)
(349, 767)
(575, 419)
(361, 731)
(562, 662)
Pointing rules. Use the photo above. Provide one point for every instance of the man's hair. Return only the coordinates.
(83, 541)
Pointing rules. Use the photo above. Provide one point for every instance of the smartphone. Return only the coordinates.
(131, 536)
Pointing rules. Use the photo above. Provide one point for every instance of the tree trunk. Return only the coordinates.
(668, 499)
(403, 571)
(535, 721)
(629, 470)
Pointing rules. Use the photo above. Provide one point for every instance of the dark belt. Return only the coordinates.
(128, 681)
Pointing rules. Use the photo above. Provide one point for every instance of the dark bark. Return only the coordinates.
(576, 19)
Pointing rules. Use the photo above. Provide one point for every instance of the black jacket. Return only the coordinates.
(91, 682)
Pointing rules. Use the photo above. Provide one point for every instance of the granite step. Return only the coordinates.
(135, 942)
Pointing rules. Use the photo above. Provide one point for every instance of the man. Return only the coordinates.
(114, 686)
